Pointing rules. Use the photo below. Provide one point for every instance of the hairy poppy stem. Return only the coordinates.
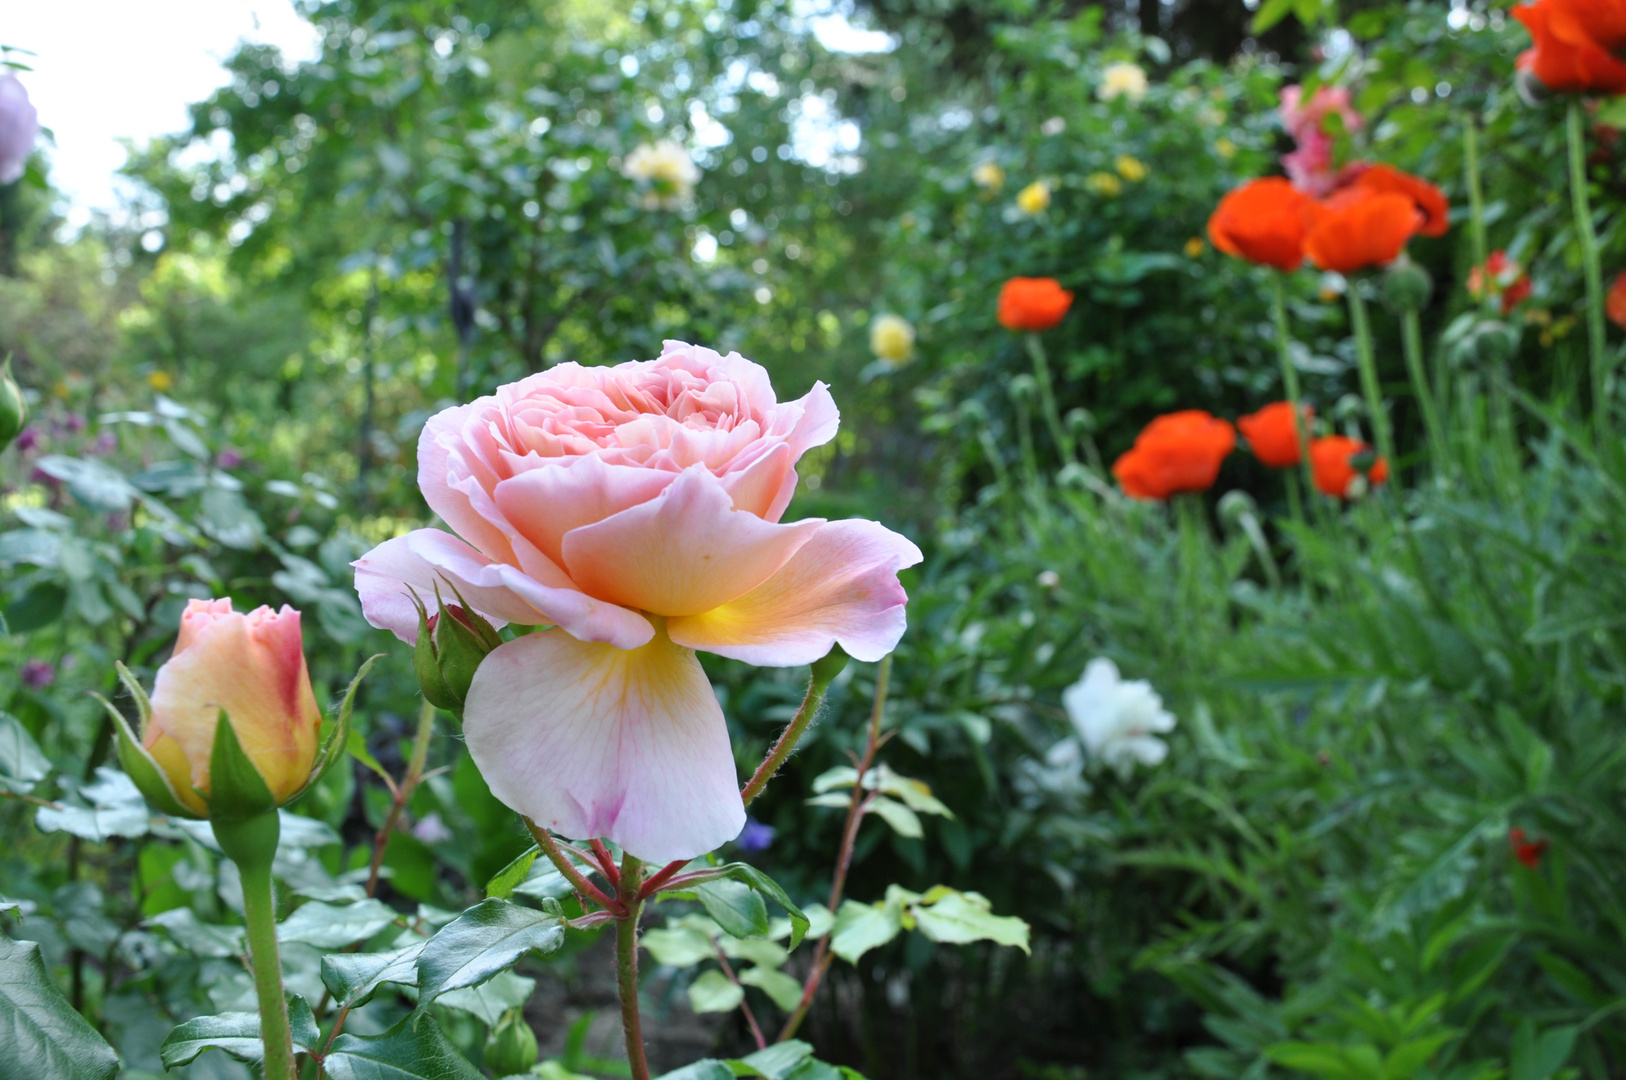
(1591, 267)
(1290, 387)
(626, 963)
(1047, 399)
(1411, 335)
(1370, 388)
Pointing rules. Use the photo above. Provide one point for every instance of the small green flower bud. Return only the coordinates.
(1080, 423)
(13, 409)
(511, 1048)
(1493, 344)
(1406, 286)
(451, 643)
(1234, 506)
(1023, 388)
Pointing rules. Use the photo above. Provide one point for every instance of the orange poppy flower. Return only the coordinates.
(1330, 466)
(1264, 221)
(1360, 228)
(1573, 40)
(1033, 303)
(1614, 304)
(1272, 435)
(1429, 200)
(1177, 452)
(1526, 850)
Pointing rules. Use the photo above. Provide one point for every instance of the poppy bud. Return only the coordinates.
(511, 1048)
(1080, 423)
(1406, 286)
(1493, 344)
(1235, 505)
(1023, 388)
(451, 643)
(13, 409)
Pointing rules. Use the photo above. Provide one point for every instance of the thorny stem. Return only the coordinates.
(550, 848)
(1590, 266)
(260, 921)
(1369, 376)
(856, 807)
(626, 963)
(606, 862)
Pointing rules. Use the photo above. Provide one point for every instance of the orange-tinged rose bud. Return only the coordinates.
(251, 667)
(1178, 452)
(1272, 435)
(1033, 304)
(1360, 228)
(1263, 221)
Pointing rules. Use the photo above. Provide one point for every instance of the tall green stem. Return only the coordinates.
(1590, 266)
(251, 845)
(818, 684)
(1411, 334)
(1476, 193)
(1290, 387)
(626, 964)
(1369, 374)
(1047, 399)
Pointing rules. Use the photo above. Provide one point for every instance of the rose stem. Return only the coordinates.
(856, 807)
(550, 848)
(1591, 267)
(818, 683)
(745, 1006)
(626, 963)
(252, 845)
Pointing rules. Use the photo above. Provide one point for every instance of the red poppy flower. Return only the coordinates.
(1033, 303)
(1429, 200)
(1500, 276)
(1526, 850)
(1614, 304)
(1331, 467)
(1178, 452)
(1573, 40)
(1360, 228)
(1272, 435)
(1264, 221)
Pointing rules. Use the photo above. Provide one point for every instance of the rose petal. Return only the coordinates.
(682, 553)
(592, 741)
(544, 504)
(840, 587)
(388, 576)
(443, 463)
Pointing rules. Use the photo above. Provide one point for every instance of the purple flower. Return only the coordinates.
(29, 439)
(105, 444)
(19, 125)
(75, 422)
(755, 836)
(228, 458)
(38, 674)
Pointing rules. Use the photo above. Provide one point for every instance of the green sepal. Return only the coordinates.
(13, 409)
(237, 791)
(336, 735)
(142, 769)
(426, 665)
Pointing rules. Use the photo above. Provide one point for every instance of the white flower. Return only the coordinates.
(892, 339)
(665, 169)
(1117, 720)
(19, 124)
(1126, 80)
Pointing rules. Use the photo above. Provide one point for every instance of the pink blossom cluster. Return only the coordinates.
(1312, 165)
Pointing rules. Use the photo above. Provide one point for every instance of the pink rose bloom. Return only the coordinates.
(19, 125)
(250, 666)
(635, 511)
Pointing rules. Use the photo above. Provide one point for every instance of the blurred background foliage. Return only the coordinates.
(228, 384)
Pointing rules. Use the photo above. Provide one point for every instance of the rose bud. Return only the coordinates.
(248, 669)
(451, 643)
(13, 410)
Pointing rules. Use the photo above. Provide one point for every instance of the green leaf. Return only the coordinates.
(903, 820)
(785, 991)
(22, 763)
(958, 917)
(115, 809)
(762, 883)
(501, 887)
(492, 998)
(916, 794)
(735, 906)
(484, 940)
(237, 791)
(44, 1036)
(414, 1049)
(331, 926)
(757, 950)
(712, 992)
(704, 1069)
(199, 938)
(839, 777)
(1269, 14)
(352, 978)
(95, 484)
(776, 1061)
(677, 946)
(861, 927)
(237, 1034)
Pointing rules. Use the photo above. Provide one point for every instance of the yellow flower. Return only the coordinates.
(1125, 80)
(161, 381)
(1104, 183)
(1328, 294)
(892, 339)
(1130, 168)
(988, 176)
(1034, 198)
(1225, 148)
(1195, 247)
